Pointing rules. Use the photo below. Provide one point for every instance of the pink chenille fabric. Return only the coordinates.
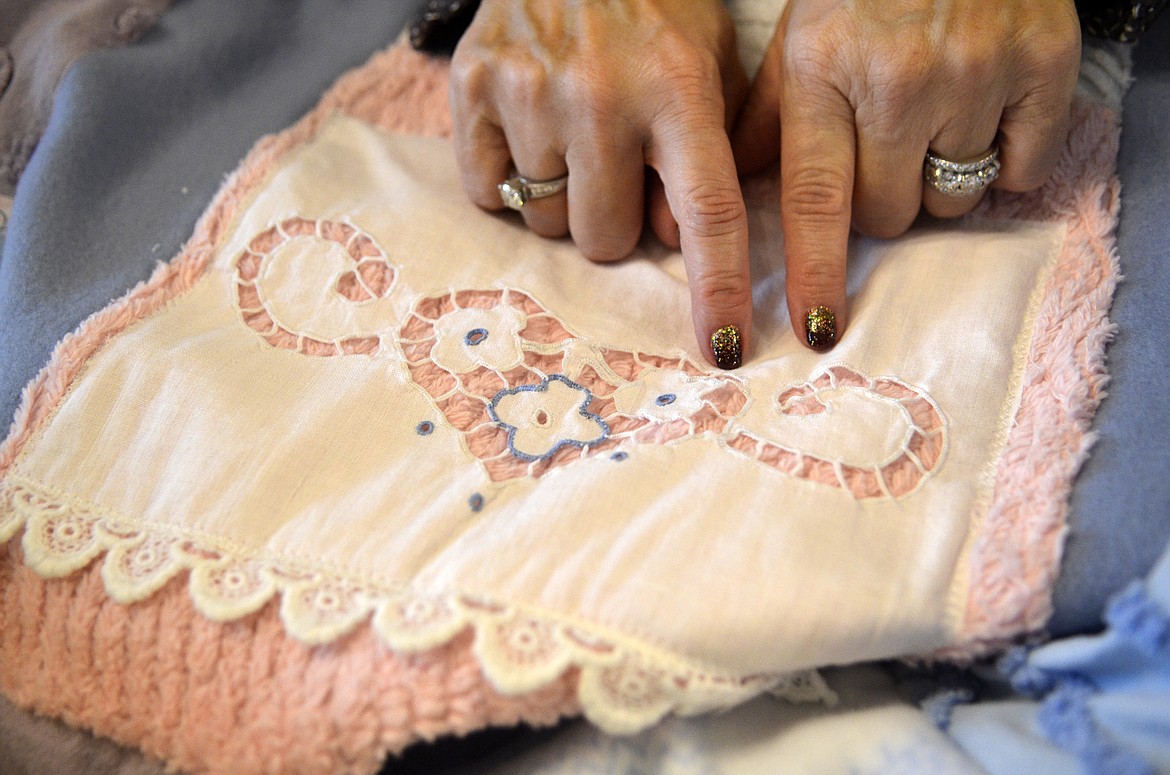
(244, 696)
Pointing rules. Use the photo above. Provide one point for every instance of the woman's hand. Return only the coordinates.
(599, 90)
(862, 88)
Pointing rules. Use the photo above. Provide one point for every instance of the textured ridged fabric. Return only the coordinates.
(240, 697)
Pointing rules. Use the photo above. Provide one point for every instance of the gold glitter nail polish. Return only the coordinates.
(820, 328)
(728, 347)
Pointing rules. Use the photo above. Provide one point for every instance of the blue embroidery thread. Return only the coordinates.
(666, 399)
(619, 456)
(583, 410)
(475, 502)
(476, 336)
(424, 428)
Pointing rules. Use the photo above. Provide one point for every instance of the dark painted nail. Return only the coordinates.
(728, 347)
(820, 328)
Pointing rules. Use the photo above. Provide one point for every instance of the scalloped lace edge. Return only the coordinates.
(1013, 560)
(623, 686)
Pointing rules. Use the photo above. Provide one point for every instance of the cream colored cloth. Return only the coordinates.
(301, 418)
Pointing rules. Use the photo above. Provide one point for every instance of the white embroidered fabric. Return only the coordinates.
(381, 404)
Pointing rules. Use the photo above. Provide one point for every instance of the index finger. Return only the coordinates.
(692, 154)
(817, 156)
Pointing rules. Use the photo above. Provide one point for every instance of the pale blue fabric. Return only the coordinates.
(1120, 512)
(141, 138)
(1101, 702)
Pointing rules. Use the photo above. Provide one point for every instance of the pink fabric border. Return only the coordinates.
(243, 697)
(1015, 555)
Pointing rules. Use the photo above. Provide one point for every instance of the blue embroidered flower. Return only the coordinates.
(541, 419)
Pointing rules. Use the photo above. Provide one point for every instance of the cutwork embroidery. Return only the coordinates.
(512, 439)
(922, 449)
(541, 419)
(371, 277)
(527, 395)
(475, 337)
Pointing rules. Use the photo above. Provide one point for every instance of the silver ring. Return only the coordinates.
(518, 191)
(961, 178)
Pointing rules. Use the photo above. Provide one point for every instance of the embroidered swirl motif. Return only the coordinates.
(922, 449)
(365, 275)
(528, 396)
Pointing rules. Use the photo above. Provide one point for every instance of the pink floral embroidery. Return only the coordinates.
(371, 277)
(530, 396)
(922, 449)
(474, 350)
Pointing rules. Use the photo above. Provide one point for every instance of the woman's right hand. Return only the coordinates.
(599, 91)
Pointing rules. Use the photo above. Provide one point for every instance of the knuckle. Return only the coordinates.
(897, 80)
(910, 64)
(593, 90)
(971, 60)
(808, 55)
(604, 248)
(818, 280)
(470, 74)
(685, 70)
(525, 81)
(1055, 51)
(713, 212)
(883, 225)
(816, 194)
(721, 289)
(678, 54)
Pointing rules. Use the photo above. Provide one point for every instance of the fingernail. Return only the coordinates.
(728, 347)
(820, 328)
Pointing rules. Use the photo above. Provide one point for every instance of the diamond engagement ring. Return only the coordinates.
(519, 191)
(961, 178)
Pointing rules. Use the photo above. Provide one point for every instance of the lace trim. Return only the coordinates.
(623, 687)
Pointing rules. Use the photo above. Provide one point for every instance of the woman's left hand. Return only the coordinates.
(853, 93)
